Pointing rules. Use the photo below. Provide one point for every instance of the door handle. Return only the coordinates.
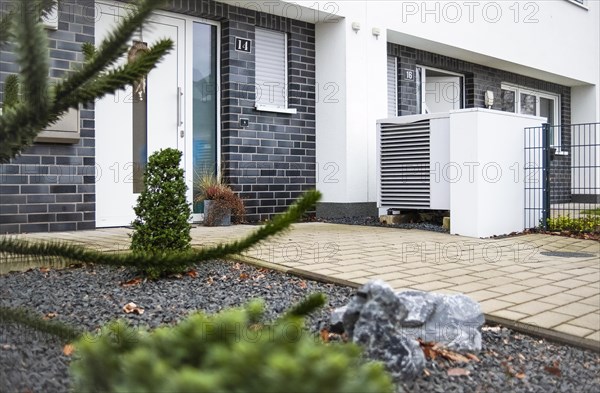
(179, 117)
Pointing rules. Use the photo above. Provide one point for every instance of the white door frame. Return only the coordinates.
(185, 82)
(449, 74)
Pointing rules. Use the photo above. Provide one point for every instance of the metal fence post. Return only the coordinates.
(546, 162)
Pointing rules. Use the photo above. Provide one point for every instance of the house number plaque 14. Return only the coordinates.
(243, 45)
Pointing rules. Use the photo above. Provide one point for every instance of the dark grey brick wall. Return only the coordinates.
(479, 79)
(50, 187)
(271, 162)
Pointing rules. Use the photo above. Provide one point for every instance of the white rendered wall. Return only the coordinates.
(487, 185)
(439, 197)
(331, 141)
(348, 105)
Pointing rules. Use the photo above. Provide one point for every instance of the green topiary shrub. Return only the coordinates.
(228, 352)
(162, 210)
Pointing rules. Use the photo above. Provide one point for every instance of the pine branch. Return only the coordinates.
(46, 6)
(160, 261)
(6, 21)
(11, 91)
(26, 318)
(116, 79)
(109, 51)
(20, 124)
(16, 130)
(88, 50)
(32, 55)
(307, 306)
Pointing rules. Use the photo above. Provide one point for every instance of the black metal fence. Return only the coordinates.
(562, 177)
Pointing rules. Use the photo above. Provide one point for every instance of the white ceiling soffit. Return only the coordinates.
(288, 9)
(478, 58)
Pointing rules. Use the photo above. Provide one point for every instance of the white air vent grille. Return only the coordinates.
(405, 165)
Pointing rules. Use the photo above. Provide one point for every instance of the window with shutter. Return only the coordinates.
(392, 81)
(271, 69)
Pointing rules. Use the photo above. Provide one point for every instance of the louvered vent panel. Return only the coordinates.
(405, 165)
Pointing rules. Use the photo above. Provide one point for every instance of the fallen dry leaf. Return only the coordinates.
(553, 370)
(131, 307)
(434, 350)
(237, 266)
(325, 335)
(191, 273)
(472, 357)
(44, 269)
(48, 316)
(426, 372)
(68, 349)
(520, 375)
(302, 284)
(455, 357)
(458, 372)
(133, 282)
(244, 276)
(258, 277)
(210, 280)
(429, 353)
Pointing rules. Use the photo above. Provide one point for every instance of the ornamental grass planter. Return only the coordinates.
(215, 216)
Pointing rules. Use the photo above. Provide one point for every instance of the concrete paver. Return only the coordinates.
(588, 321)
(561, 299)
(521, 297)
(576, 309)
(573, 330)
(512, 315)
(547, 319)
(533, 307)
(512, 278)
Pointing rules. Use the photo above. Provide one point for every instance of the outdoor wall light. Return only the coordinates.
(355, 26)
(489, 99)
(376, 32)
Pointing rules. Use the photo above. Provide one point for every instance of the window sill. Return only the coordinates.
(276, 109)
(584, 6)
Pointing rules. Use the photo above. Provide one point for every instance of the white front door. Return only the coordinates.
(442, 93)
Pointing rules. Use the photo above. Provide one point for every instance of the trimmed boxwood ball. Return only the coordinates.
(163, 213)
(229, 352)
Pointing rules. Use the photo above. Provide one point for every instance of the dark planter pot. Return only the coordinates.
(215, 217)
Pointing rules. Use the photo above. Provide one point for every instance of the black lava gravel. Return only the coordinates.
(374, 222)
(88, 297)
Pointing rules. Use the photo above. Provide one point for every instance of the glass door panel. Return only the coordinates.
(528, 106)
(204, 104)
(547, 111)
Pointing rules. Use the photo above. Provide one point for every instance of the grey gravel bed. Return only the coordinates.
(88, 297)
(374, 222)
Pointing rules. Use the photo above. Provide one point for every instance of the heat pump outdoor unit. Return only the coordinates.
(414, 171)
